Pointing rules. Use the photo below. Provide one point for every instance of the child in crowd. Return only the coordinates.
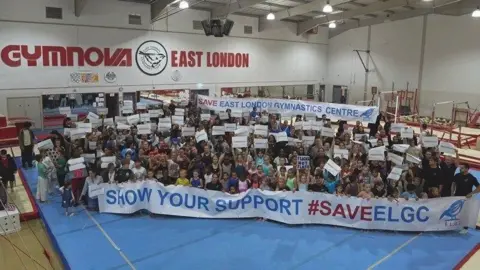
(67, 198)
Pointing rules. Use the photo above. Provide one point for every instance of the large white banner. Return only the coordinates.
(292, 208)
(291, 107)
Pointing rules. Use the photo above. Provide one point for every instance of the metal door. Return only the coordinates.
(16, 107)
(33, 110)
(337, 94)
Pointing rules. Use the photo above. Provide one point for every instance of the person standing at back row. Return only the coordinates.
(464, 182)
(26, 140)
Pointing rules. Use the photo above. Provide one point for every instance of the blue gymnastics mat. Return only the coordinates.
(160, 242)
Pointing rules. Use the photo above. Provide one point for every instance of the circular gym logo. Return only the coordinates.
(110, 77)
(151, 58)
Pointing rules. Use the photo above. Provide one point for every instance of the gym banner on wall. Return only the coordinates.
(291, 107)
(441, 214)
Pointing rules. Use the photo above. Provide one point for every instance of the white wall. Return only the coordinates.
(451, 60)
(277, 56)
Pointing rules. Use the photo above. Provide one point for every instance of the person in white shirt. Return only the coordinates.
(139, 172)
(92, 179)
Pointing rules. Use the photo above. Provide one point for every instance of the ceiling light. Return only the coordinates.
(427, 0)
(476, 13)
(327, 8)
(332, 25)
(183, 4)
(271, 16)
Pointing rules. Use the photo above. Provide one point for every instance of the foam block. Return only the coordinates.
(9, 222)
(8, 132)
(3, 120)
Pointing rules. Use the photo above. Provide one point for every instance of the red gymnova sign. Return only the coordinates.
(75, 56)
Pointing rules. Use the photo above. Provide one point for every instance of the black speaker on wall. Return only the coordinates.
(217, 27)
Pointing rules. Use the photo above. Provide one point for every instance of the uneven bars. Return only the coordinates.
(441, 103)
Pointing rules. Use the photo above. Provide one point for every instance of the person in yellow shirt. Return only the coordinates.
(182, 180)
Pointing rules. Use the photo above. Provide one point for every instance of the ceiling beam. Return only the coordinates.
(306, 8)
(440, 5)
(157, 9)
(375, 7)
(78, 7)
(239, 5)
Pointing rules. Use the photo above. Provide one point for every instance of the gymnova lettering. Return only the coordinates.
(292, 208)
(291, 107)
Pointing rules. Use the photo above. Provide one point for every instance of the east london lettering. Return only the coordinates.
(68, 56)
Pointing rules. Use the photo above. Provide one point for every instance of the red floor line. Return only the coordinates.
(31, 198)
(467, 257)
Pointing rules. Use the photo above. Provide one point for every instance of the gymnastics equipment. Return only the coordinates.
(466, 116)
(441, 103)
(388, 102)
(400, 103)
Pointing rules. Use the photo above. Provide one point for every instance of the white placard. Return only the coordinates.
(201, 136)
(396, 159)
(179, 111)
(377, 153)
(447, 148)
(308, 140)
(155, 113)
(218, 130)
(413, 159)
(307, 125)
(359, 137)
(111, 159)
(239, 142)
(230, 127)
(397, 127)
(429, 141)
(402, 148)
(317, 125)
(102, 111)
(76, 134)
(144, 129)
(133, 119)
(178, 120)
(66, 131)
(261, 130)
(121, 119)
(92, 145)
(281, 136)
(332, 167)
(341, 153)
(164, 124)
(223, 115)
(141, 106)
(74, 161)
(407, 133)
(84, 127)
(127, 110)
(298, 125)
(47, 144)
(328, 132)
(242, 131)
(95, 190)
(205, 117)
(260, 143)
(90, 158)
(75, 167)
(395, 174)
(264, 119)
(73, 117)
(92, 116)
(108, 122)
(65, 111)
(145, 117)
(188, 131)
(236, 113)
(121, 126)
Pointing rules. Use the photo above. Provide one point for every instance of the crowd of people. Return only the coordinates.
(110, 154)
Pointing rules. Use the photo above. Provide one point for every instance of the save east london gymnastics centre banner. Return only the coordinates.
(291, 107)
(292, 208)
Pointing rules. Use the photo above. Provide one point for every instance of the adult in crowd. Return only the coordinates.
(26, 141)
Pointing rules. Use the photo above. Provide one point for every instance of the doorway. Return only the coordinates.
(29, 107)
(112, 103)
(340, 94)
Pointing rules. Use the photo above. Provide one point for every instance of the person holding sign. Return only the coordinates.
(92, 180)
